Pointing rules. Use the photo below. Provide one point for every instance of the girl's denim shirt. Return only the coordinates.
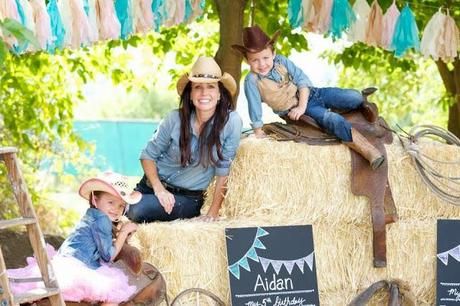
(91, 241)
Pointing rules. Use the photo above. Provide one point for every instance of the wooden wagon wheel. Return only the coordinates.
(197, 296)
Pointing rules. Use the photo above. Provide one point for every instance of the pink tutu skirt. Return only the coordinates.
(76, 281)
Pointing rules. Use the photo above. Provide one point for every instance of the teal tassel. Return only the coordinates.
(86, 7)
(406, 33)
(22, 16)
(295, 13)
(188, 10)
(57, 27)
(159, 11)
(342, 18)
(123, 8)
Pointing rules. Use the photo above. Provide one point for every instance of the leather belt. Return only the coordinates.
(183, 191)
(175, 189)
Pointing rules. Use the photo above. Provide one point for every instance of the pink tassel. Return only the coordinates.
(374, 26)
(80, 24)
(324, 17)
(197, 11)
(451, 40)
(109, 26)
(171, 9)
(66, 17)
(143, 15)
(389, 23)
(180, 11)
(358, 29)
(432, 41)
(42, 22)
(9, 9)
(92, 19)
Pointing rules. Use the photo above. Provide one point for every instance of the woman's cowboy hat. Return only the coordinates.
(206, 70)
(255, 40)
(113, 183)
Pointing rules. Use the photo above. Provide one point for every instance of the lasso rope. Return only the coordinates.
(445, 187)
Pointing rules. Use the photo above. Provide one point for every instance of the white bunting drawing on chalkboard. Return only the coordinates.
(454, 252)
(251, 253)
(289, 264)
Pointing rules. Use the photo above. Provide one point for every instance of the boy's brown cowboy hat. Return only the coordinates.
(206, 70)
(255, 40)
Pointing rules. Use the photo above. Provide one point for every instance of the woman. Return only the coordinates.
(191, 146)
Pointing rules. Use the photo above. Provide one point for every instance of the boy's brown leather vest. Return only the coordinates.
(279, 96)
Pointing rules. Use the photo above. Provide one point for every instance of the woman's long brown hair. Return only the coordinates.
(210, 134)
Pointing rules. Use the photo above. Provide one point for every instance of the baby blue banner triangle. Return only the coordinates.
(261, 232)
(252, 254)
(235, 270)
(244, 263)
(258, 244)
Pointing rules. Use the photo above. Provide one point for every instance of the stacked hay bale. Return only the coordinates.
(286, 183)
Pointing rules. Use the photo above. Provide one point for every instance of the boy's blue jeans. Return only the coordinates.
(321, 100)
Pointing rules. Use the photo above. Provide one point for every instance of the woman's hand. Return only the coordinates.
(206, 218)
(166, 200)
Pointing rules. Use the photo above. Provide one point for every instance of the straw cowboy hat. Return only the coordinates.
(206, 70)
(113, 183)
(255, 40)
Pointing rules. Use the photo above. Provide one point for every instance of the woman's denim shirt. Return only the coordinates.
(299, 78)
(164, 150)
(91, 241)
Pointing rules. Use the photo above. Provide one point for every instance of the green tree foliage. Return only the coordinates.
(367, 60)
(38, 92)
(409, 93)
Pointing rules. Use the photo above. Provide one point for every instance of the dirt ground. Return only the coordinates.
(16, 247)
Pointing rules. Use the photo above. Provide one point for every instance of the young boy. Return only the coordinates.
(276, 81)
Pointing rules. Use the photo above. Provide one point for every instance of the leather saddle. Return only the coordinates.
(373, 184)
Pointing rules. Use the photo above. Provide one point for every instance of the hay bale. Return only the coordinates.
(285, 179)
(193, 254)
(285, 183)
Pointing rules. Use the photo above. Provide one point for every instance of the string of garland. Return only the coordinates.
(76, 23)
(393, 30)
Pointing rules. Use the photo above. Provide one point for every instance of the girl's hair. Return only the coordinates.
(97, 194)
(210, 135)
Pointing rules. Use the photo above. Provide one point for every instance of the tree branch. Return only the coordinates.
(457, 75)
(447, 76)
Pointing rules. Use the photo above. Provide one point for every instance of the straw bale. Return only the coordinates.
(287, 180)
(193, 254)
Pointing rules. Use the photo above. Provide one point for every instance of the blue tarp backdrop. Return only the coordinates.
(117, 143)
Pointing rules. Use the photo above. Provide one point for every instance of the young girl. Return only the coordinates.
(82, 264)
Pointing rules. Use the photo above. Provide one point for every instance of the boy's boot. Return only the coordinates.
(131, 257)
(362, 146)
(368, 109)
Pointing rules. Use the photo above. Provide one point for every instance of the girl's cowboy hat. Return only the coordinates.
(206, 70)
(113, 183)
(255, 40)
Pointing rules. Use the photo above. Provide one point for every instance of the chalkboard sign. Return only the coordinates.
(448, 263)
(271, 266)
